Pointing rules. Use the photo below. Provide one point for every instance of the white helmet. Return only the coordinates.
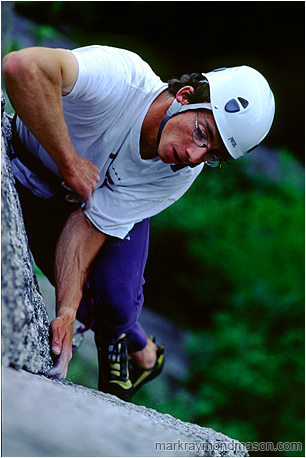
(242, 104)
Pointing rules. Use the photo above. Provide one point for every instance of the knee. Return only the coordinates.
(119, 309)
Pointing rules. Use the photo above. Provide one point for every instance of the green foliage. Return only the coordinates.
(246, 377)
(239, 284)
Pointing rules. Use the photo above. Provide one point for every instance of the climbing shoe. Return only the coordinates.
(114, 377)
(140, 375)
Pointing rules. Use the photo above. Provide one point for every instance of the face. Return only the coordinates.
(177, 146)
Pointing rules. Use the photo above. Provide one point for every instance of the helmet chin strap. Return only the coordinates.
(176, 108)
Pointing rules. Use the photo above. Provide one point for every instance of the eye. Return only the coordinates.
(199, 137)
(202, 134)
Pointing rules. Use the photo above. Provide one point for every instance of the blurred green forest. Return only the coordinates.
(227, 261)
(231, 254)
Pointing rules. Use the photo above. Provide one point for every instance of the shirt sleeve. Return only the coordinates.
(100, 75)
(106, 71)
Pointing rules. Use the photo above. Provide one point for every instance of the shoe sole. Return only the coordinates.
(117, 390)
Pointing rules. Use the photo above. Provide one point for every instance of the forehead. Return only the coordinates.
(216, 144)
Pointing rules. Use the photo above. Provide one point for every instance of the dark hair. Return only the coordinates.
(196, 80)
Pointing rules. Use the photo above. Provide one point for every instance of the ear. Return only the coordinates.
(183, 93)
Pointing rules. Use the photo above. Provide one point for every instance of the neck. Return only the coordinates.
(150, 126)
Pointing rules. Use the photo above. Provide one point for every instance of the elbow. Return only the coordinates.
(31, 65)
(10, 63)
(17, 74)
(18, 65)
(13, 66)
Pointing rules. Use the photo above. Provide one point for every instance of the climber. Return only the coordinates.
(100, 145)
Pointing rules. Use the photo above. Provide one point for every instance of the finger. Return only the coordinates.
(56, 348)
(89, 203)
(56, 345)
(57, 371)
(54, 372)
(66, 186)
(97, 176)
(60, 369)
(74, 198)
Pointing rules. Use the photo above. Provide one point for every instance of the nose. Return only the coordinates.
(196, 153)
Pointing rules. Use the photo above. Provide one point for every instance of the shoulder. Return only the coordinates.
(114, 56)
(116, 61)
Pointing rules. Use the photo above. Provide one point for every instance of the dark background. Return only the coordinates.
(226, 261)
(183, 37)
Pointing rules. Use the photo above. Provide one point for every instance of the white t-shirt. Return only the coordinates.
(104, 113)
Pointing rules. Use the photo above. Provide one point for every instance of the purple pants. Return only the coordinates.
(113, 296)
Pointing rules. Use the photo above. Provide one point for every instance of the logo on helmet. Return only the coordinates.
(232, 140)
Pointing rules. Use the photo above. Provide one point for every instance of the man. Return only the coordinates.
(97, 126)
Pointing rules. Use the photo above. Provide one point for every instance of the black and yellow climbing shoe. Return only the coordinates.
(114, 377)
(118, 375)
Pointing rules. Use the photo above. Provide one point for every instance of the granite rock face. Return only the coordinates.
(25, 323)
(43, 417)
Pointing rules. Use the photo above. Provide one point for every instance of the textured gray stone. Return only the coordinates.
(43, 417)
(25, 324)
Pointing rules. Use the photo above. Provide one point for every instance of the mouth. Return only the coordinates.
(175, 157)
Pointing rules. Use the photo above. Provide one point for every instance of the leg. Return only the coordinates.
(117, 294)
(116, 288)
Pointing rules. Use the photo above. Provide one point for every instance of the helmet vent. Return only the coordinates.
(243, 102)
(232, 106)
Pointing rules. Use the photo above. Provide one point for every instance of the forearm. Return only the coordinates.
(77, 247)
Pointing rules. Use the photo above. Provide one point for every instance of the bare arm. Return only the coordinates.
(77, 247)
(35, 80)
